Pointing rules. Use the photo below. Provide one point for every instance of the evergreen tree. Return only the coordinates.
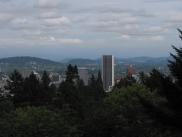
(45, 80)
(154, 81)
(76, 76)
(15, 86)
(170, 88)
(33, 92)
(72, 73)
(99, 80)
(125, 82)
(92, 82)
(68, 90)
(175, 95)
(175, 65)
(48, 91)
(142, 77)
(99, 86)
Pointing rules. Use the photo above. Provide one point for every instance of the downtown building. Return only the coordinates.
(108, 72)
(84, 75)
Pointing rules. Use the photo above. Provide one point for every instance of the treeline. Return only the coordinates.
(150, 108)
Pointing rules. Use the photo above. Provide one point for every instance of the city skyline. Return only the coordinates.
(87, 29)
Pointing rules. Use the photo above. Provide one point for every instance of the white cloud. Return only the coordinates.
(19, 21)
(48, 14)
(151, 38)
(155, 29)
(55, 40)
(41, 40)
(131, 27)
(48, 3)
(57, 21)
(125, 37)
(176, 18)
(70, 41)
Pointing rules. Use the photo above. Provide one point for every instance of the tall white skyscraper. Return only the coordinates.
(108, 72)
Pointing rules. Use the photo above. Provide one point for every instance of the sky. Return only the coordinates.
(59, 29)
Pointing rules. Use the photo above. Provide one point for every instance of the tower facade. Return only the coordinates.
(108, 72)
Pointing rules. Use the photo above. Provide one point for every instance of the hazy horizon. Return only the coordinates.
(84, 58)
(60, 29)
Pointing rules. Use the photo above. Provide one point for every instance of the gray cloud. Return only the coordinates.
(94, 24)
(159, 1)
(50, 4)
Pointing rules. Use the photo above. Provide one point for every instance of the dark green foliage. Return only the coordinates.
(175, 66)
(48, 90)
(15, 86)
(6, 106)
(124, 82)
(92, 81)
(100, 83)
(67, 92)
(169, 87)
(142, 77)
(96, 85)
(71, 73)
(123, 115)
(99, 90)
(175, 94)
(30, 91)
(153, 81)
(45, 80)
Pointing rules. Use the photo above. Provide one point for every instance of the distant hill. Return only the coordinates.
(82, 61)
(147, 60)
(24, 60)
(28, 63)
(145, 64)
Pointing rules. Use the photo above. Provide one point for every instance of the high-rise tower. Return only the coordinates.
(108, 72)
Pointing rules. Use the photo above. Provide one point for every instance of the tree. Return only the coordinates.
(175, 65)
(37, 122)
(92, 82)
(142, 77)
(125, 82)
(175, 95)
(123, 114)
(96, 87)
(45, 80)
(99, 79)
(48, 91)
(169, 87)
(71, 73)
(99, 87)
(154, 81)
(15, 86)
(68, 90)
(33, 92)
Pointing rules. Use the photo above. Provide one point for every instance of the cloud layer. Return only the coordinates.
(89, 28)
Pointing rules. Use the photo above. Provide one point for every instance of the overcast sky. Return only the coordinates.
(58, 29)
